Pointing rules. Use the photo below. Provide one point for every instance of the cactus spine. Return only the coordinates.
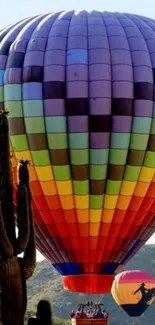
(14, 271)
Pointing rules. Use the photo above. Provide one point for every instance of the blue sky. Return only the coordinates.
(14, 10)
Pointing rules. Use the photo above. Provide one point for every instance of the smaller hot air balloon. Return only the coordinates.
(134, 291)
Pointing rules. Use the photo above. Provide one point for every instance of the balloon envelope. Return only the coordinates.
(79, 87)
(134, 291)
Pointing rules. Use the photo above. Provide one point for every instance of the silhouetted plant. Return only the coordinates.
(14, 270)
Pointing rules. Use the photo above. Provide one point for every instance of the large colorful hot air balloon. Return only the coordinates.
(79, 87)
(134, 291)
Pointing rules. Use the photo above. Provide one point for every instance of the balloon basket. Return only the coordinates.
(88, 283)
(99, 321)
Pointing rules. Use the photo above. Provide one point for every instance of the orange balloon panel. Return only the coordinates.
(134, 291)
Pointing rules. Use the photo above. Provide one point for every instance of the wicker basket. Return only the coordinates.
(89, 321)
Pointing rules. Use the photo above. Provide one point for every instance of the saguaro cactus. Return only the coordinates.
(14, 271)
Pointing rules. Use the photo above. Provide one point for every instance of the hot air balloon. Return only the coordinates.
(79, 88)
(134, 291)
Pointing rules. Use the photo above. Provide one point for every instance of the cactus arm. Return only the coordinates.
(29, 258)
(6, 249)
(22, 219)
(23, 173)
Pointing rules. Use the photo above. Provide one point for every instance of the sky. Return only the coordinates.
(14, 10)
